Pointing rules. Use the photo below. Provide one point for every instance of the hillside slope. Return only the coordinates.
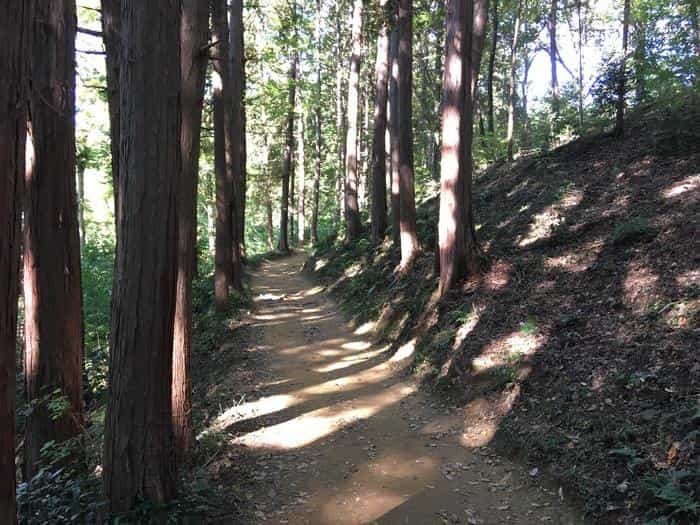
(577, 348)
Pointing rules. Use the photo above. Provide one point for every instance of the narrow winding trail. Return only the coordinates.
(347, 438)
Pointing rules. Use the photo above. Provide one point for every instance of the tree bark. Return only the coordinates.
(339, 120)
(622, 80)
(353, 226)
(492, 63)
(52, 277)
(237, 74)
(480, 17)
(15, 26)
(288, 154)
(111, 36)
(301, 161)
(138, 460)
(394, 136)
(511, 81)
(552, 25)
(223, 163)
(194, 31)
(459, 253)
(409, 235)
(380, 124)
(319, 129)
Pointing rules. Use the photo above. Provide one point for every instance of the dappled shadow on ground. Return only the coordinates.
(577, 347)
(336, 432)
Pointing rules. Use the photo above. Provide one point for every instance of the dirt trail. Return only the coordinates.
(346, 437)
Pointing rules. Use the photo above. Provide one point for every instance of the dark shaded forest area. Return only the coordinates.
(392, 261)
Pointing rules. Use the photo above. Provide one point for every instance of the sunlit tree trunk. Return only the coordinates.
(394, 135)
(380, 125)
(16, 28)
(409, 235)
(288, 155)
(52, 277)
(194, 33)
(622, 80)
(511, 82)
(352, 210)
(459, 253)
(492, 63)
(223, 163)
(111, 28)
(138, 459)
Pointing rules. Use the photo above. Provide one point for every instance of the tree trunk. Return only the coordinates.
(492, 62)
(139, 461)
(288, 153)
(394, 136)
(525, 137)
(111, 35)
(301, 161)
(237, 74)
(317, 180)
(579, 16)
(15, 26)
(81, 205)
(352, 210)
(459, 254)
(511, 81)
(552, 25)
(52, 278)
(409, 235)
(319, 128)
(380, 124)
(194, 33)
(223, 163)
(339, 119)
(622, 80)
(480, 17)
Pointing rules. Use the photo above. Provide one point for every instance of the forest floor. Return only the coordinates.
(327, 427)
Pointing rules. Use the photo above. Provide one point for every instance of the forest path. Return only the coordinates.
(346, 437)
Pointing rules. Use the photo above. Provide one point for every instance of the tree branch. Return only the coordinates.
(91, 32)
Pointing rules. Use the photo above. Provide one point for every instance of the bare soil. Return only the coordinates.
(332, 429)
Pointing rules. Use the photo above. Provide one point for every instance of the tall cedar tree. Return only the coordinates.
(288, 153)
(318, 129)
(52, 280)
(236, 71)
(223, 163)
(622, 74)
(394, 135)
(492, 66)
(16, 31)
(480, 17)
(511, 81)
(379, 218)
(139, 464)
(301, 163)
(194, 33)
(353, 225)
(459, 253)
(409, 235)
(111, 28)
(552, 26)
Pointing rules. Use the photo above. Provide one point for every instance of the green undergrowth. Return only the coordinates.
(67, 489)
